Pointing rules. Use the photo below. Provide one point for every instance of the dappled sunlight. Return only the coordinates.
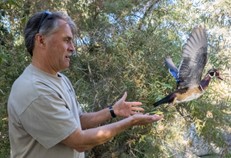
(103, 132)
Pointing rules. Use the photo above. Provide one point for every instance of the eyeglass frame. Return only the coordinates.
(43, 18)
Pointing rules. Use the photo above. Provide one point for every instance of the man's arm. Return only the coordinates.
(82, 140)
(94, 119)
(121, 108)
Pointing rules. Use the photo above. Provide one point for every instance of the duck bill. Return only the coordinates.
(219, 78)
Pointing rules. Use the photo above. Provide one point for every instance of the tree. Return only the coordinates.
(120, 47)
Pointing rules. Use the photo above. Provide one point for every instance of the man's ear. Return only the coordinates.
(39, 39)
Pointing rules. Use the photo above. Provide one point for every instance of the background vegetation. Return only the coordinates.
(121, 46)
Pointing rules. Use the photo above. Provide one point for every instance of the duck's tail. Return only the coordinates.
(168, 99)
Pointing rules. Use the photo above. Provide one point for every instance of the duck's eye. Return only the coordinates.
(212, 73)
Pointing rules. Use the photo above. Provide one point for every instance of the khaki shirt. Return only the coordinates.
(42, 111)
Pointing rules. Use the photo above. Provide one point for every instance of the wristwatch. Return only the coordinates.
(112, 111)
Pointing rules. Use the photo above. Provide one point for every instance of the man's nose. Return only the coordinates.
(71, 46)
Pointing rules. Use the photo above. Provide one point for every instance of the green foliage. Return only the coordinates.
(121, 46)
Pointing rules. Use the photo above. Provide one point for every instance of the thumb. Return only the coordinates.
(124, 96)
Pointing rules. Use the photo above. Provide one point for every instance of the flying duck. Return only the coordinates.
(190, 86)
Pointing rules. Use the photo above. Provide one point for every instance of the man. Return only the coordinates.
(45, 120)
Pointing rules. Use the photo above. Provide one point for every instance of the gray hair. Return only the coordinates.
(45, 23)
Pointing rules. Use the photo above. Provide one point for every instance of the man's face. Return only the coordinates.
(59, 47)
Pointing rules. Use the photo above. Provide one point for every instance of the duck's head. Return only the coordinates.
(214, 73)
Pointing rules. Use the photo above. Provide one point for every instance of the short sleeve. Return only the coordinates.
(48, 120)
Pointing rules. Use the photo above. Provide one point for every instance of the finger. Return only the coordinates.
(134, 103)
(124, 96)
(157, 117)
(137, 109)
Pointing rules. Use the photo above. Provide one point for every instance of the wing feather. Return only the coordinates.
(173, 70)
(194, 58)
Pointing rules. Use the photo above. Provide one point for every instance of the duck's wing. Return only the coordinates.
(171, 67)
(194, 58)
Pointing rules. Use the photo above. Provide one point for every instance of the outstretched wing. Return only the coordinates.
(194, 58)
(173, 70)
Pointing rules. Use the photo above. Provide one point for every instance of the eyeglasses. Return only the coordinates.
(44, 16)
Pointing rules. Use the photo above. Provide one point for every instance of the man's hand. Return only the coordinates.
(125, 109)
(144, 119)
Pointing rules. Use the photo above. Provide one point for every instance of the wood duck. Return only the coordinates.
(188, 75)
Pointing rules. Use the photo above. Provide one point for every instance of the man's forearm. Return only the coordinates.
(94, 119)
